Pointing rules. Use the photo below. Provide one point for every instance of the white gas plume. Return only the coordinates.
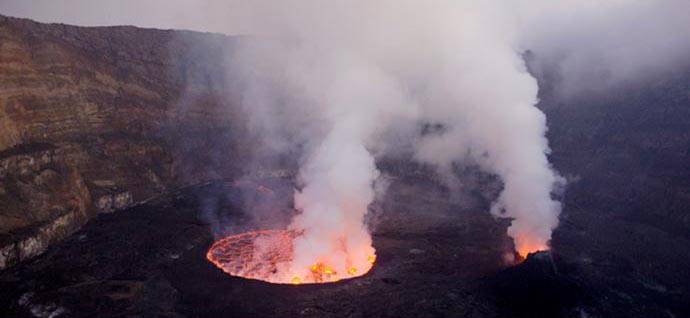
(332, 78)
(330, 100)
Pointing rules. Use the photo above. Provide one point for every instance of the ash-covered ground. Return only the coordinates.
(438, 256)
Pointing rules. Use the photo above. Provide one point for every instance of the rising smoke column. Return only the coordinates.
(325, 99)
(335, 76)
(485, 99)
(339, 171)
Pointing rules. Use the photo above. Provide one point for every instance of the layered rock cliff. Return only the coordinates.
(97, 119)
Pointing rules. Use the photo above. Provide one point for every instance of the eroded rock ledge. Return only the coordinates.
(93, 120)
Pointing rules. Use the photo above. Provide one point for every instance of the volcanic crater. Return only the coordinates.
(128, 200)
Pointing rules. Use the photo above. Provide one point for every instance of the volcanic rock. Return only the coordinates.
(99, 119)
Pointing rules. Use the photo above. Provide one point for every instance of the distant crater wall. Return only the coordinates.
(98, 119)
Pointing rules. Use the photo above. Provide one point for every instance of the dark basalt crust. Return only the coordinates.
(435, 258)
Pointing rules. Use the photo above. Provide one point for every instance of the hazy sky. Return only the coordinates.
(164, 14)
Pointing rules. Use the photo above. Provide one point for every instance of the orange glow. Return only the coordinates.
(526, 247)
(267, 255)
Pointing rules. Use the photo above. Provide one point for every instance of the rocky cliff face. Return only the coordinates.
(43, 199)
(97, 119)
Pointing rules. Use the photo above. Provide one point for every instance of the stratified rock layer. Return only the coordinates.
(98, 119)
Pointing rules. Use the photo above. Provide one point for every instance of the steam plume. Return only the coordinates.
(333, 77)
(339, 78)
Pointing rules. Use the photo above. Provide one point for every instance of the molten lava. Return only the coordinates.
(528, 247)
(267, 255)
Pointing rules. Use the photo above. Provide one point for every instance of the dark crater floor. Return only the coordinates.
(436, 258)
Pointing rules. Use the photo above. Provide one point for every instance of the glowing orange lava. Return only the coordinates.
(525, 249)
(267, 255)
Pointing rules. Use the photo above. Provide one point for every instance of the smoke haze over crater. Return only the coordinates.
(347, 74)
(336, 78)
(609, 41)
(593, 46)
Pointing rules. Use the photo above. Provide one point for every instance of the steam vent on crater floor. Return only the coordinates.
(345, 159)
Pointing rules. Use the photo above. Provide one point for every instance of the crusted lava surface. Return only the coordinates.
(238, 255)
(438, 256)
